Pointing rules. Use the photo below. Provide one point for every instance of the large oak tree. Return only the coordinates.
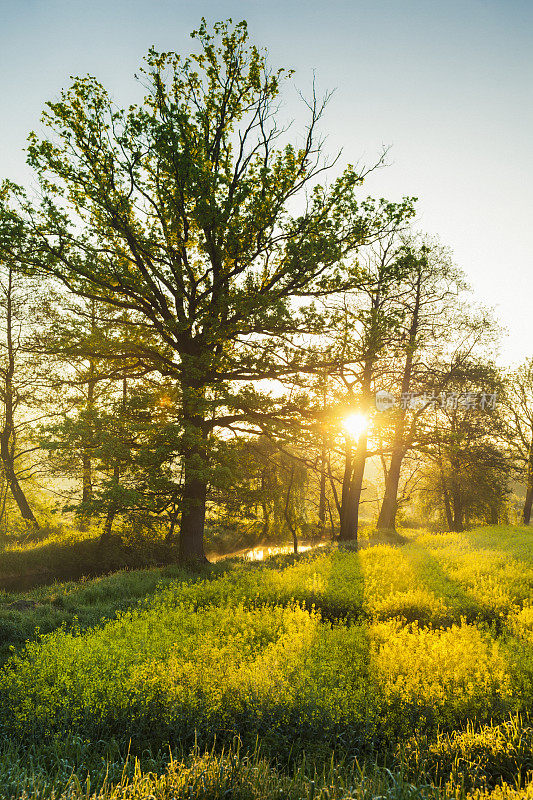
(194, 213)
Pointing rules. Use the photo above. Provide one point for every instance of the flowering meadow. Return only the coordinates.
(396, 670)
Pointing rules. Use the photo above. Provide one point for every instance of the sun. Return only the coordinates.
(355, 425)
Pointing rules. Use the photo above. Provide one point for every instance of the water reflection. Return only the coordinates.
(260, 553)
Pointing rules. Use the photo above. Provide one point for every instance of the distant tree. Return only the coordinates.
(519, 428)
(467, 468)
(24, 372)
(429, 294)
(132, 442)
(263, 482)
(362, 328)
(177, 211)
(73, 338)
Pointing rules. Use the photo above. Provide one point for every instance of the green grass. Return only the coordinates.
(27, 562)
(82, 604)
(208, 775)
(406, 669)
(86, 602)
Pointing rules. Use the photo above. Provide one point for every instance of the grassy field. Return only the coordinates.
(398, 671)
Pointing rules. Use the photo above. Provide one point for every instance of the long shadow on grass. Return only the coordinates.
(514, 541)
(485, 752)
(336, 663)
(501, 564)
(460, 603)
(329, 699)
(324, 702)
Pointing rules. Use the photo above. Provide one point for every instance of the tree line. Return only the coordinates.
(192, 309)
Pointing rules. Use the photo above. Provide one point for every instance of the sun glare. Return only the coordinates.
(355, 425)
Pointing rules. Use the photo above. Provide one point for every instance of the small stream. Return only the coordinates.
(263, 551)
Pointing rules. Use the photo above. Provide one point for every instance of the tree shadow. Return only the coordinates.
(507, 540)
(460, 603)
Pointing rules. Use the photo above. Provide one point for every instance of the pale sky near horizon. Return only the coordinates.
(447, 85)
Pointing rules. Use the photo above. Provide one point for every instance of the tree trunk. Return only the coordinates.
(195, 474)
(322, 498)
(87, 492)
(526, 513)
(87, 467)
(446, 500)
(287, 514)
(389, 507)
(193, 516)
(352, 496)
(355, 464)
(322, 490)
(87, 478)
(458, 514)
(266, 521)
(331, 523)
(87, 488)
(3, 513)
(173, 519)
(346, 482)
(335, 494)
(264, 505)
(113, 508)
(458, 526)
(6, 452)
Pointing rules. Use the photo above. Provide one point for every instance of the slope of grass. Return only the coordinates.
(59, 555)
(84, 603)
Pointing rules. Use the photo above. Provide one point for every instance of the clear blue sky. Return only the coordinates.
(448, 85)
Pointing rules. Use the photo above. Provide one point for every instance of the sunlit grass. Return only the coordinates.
(417, 655)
